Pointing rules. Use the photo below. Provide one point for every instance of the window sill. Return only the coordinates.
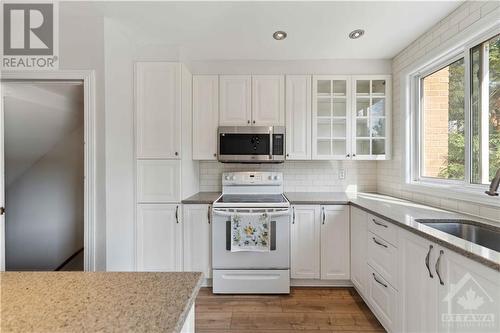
(453, 191)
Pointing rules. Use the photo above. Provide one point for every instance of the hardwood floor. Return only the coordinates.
(305, 310)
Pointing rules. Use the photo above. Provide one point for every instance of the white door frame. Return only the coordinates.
(88, 78)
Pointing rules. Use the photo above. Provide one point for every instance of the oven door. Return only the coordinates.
(278, 256)
(245, 144)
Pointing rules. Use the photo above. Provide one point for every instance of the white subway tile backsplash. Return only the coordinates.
(301, 176)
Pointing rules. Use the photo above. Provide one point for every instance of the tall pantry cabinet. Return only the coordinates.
(165, 172)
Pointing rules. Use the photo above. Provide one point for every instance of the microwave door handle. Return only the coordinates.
(271, 143)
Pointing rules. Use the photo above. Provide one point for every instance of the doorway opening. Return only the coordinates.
(43, 132)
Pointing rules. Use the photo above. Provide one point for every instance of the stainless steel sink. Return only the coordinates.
(487, 236)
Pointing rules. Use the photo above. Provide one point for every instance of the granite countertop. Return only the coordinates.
(318, 198)
(202, 198)
(91, 302)
(404, 213)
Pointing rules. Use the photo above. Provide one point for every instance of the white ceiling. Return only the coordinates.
(37, 117)
(243, 30)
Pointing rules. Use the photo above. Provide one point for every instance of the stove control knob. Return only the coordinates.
(226, 177)
(270, 177)
(276, 177)
(233, 177)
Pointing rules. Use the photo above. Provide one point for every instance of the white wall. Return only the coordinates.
(44, 225)
(81, 46)
(390, 173)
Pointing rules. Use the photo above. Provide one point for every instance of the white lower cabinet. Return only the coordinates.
(320, 242)
(197, 239)
(359, 231)
(383, 300)
(159, 237)
(305, 242)
(335, 249)
(418, 284)
(189, 323)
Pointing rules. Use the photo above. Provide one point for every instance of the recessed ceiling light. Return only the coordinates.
(279, 35)
(356, 33)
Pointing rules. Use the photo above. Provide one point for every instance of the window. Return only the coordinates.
(443, 123)
(485, 110)
(458, 118)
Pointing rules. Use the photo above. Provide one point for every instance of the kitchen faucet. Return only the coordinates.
(495, 182)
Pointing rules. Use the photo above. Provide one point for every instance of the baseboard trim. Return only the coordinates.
(320, 283)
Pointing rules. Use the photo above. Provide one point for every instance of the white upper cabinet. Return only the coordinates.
(235, 100)
(158, 110)
(305, 242)
(331, 121)
(268, 102)
(159, 238)
(205, 116)
(158, 181)
(371, 117)
(298, 117)
(197, 236)
(335, 245)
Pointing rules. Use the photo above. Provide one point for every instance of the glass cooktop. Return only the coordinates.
(252, 198)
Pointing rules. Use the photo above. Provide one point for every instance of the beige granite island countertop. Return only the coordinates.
(96, 302)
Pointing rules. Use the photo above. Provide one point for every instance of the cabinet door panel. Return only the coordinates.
(159, 238)
(268, 100)
(197, 236)
(358, 248)
(331, 121)
(335, 249)
(305, 243)
(158, 110)
(205, 116)
(418, 290)
(298, 117)
(158, 181)
(235, 100)
(468, 288)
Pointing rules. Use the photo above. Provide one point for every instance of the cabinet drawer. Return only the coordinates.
(387, 231)
(383, 300)
(382, 256)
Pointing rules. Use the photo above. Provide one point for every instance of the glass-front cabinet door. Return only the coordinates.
(331, 118)
(371, 117)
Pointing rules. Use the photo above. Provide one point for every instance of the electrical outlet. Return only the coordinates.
(342, 173)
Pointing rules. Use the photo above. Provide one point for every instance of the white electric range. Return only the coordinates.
(250, 194)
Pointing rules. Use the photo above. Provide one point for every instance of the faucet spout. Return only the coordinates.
(495, 183)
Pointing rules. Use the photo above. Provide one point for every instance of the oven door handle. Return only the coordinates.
(270, 214)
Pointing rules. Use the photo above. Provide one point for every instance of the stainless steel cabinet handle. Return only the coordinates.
(176, 153)
(2, 210)
(248, 121)
(323, 214)
(177, 214)
(293, 215)
(378, 281)
(427, 261)
(378, 243)
(438, 264)
(378, 223)
(208, 213)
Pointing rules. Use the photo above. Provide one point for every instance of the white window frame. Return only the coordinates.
(457, 47)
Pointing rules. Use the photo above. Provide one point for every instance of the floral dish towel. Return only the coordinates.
(250, 233)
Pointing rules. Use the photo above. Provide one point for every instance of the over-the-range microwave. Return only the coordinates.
(251, 144)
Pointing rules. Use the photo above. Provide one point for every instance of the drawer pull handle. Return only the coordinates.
(177, 214)
(438, 264)
(208, 213)
(427, 257)
(378, 223)
(378, 281)
(378, 243)
(293, 216)
(323, 208)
